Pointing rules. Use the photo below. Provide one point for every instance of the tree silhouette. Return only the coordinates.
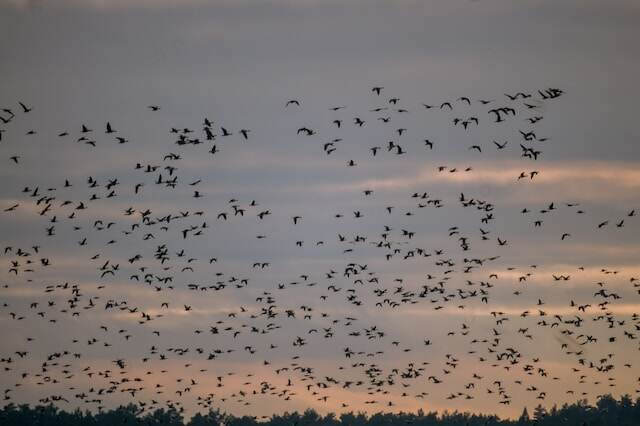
(607, 412)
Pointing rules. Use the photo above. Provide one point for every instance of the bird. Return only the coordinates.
(306, 130)
(25, 109)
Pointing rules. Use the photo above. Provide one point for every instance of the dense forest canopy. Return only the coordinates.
(607, 412)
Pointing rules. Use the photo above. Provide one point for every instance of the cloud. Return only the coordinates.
(606, 181)
(106, 4)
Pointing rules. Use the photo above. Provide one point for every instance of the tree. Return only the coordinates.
(539, 413)
(607, 412)
(524, 417)
(212, 418)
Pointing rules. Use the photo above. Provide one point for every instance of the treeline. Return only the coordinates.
(607, 412)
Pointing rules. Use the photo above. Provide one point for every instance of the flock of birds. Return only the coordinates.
(319, 338)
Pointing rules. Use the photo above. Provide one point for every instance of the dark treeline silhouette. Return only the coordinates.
(607, 412)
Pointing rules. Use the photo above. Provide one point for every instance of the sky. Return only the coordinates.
(238, 63)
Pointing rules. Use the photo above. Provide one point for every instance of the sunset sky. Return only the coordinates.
(238, 63)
